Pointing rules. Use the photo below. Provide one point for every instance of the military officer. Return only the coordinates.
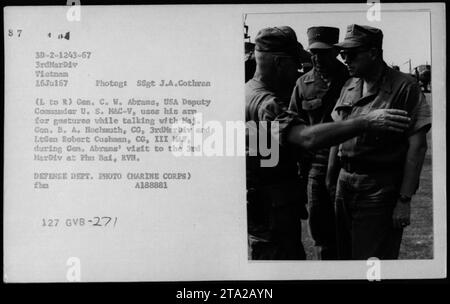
(273, 206)
(380, 170)
(314, 98)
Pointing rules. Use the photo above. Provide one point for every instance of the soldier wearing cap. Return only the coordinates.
(380, 170)
(314, 97)
(274, 208)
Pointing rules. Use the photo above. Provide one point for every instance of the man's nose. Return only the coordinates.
(347, 59)
(315, 59)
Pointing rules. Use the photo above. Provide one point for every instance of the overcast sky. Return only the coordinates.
(406, 34)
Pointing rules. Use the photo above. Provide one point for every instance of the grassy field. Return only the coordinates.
(418, 237)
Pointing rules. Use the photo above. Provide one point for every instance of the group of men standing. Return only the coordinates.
(352, 141)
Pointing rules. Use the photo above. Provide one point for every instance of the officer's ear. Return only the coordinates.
(376, 53)
(278, 61)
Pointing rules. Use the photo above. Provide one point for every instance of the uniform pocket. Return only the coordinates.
(311, 104)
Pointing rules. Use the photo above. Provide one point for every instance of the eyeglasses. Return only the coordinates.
(320, 52)
(351, 54)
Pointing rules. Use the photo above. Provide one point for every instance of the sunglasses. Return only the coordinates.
(320, 52)
(351, 54)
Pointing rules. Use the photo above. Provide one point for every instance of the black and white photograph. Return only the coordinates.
(224, 143)
(353, 100)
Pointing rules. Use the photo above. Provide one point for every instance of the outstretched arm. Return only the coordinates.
(333, 133)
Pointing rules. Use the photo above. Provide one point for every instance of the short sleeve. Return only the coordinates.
(275, 111)
(336, 115)
(286, 121)
(270, 109)
(338, 111)
(419, 110)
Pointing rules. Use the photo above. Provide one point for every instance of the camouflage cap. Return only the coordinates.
(279, 40)
(361, 35)
(322, 37)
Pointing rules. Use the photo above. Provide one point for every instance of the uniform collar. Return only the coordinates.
(384, 83)
(313, 75)
(354, 83)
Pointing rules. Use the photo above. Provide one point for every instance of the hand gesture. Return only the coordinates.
(387, 120)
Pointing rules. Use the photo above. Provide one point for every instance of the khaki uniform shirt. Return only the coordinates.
(395, 90)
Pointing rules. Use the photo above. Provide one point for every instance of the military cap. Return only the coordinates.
(280, 40)
(322, 37)
(361, 35)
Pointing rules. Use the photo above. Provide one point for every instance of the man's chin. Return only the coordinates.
(352, 73)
